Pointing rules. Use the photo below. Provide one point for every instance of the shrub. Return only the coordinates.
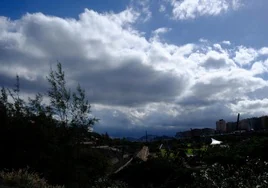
(104, 183)
(252, 174)
(24, 178)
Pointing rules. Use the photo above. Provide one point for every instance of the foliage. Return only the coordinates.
(71, 108)
(253, 173)
(239, 165)
(31, 136)
(238, 152)
(24, 178)
(156, 172)
(104, 183)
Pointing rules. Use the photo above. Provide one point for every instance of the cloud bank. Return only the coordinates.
(191, 9)
(137, 83)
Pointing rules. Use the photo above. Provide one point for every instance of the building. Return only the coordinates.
(264, 122)
(230, 127)
(255, 123)
(208, 131)
(244, 125)
(221, 126)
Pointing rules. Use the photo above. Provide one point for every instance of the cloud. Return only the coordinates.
(161, 30)
(226, 42)
(245, 56)
(134, 83)
(162, 8)
(246, 106)
(191, 9)
(259, 67)
(216, 60)
(263, 51)
(143, 7)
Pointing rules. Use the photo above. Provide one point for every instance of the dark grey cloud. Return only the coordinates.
(26, 86)
(196, 101)
(215, 63)
(132, 84)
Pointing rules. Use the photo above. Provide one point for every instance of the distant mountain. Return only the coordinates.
(149, 138)
(131, 139)
(164, 137)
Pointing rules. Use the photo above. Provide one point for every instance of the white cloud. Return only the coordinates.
(131, 81)
(259, 67)
(191, 9)
(217, 60)
(226, 42)
(263, 51)
(218, 47)
(202, 40)
(246, 106)
(157, 33)
(143, 7)
(245, 56)
(161, 30)
(162, 8)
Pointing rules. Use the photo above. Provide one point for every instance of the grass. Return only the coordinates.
(189, 151)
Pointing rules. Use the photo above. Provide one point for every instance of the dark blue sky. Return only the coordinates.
(62, 8)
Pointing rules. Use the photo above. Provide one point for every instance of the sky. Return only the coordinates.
(160, 66)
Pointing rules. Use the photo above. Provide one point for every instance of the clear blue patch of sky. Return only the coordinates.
(14, 9)
(247, 26)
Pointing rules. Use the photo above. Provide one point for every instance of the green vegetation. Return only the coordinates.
(242, 164)
(189, 151)
(24, 178)
(47, 138)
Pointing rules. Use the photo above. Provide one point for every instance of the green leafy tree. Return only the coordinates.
(58, 94)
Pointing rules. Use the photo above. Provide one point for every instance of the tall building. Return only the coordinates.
(221, 126)
(255, 123)
(264, 122)
(230, 126)
(244, 125)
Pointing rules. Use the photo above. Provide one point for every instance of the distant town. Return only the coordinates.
(223, 127)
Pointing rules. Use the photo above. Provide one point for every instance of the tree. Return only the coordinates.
(58, 94)
(17, 108)
(72, 109)
(31, 136)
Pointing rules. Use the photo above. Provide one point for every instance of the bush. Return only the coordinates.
(156, 172)
(104, 183)
(24, 178)
(252, 174)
